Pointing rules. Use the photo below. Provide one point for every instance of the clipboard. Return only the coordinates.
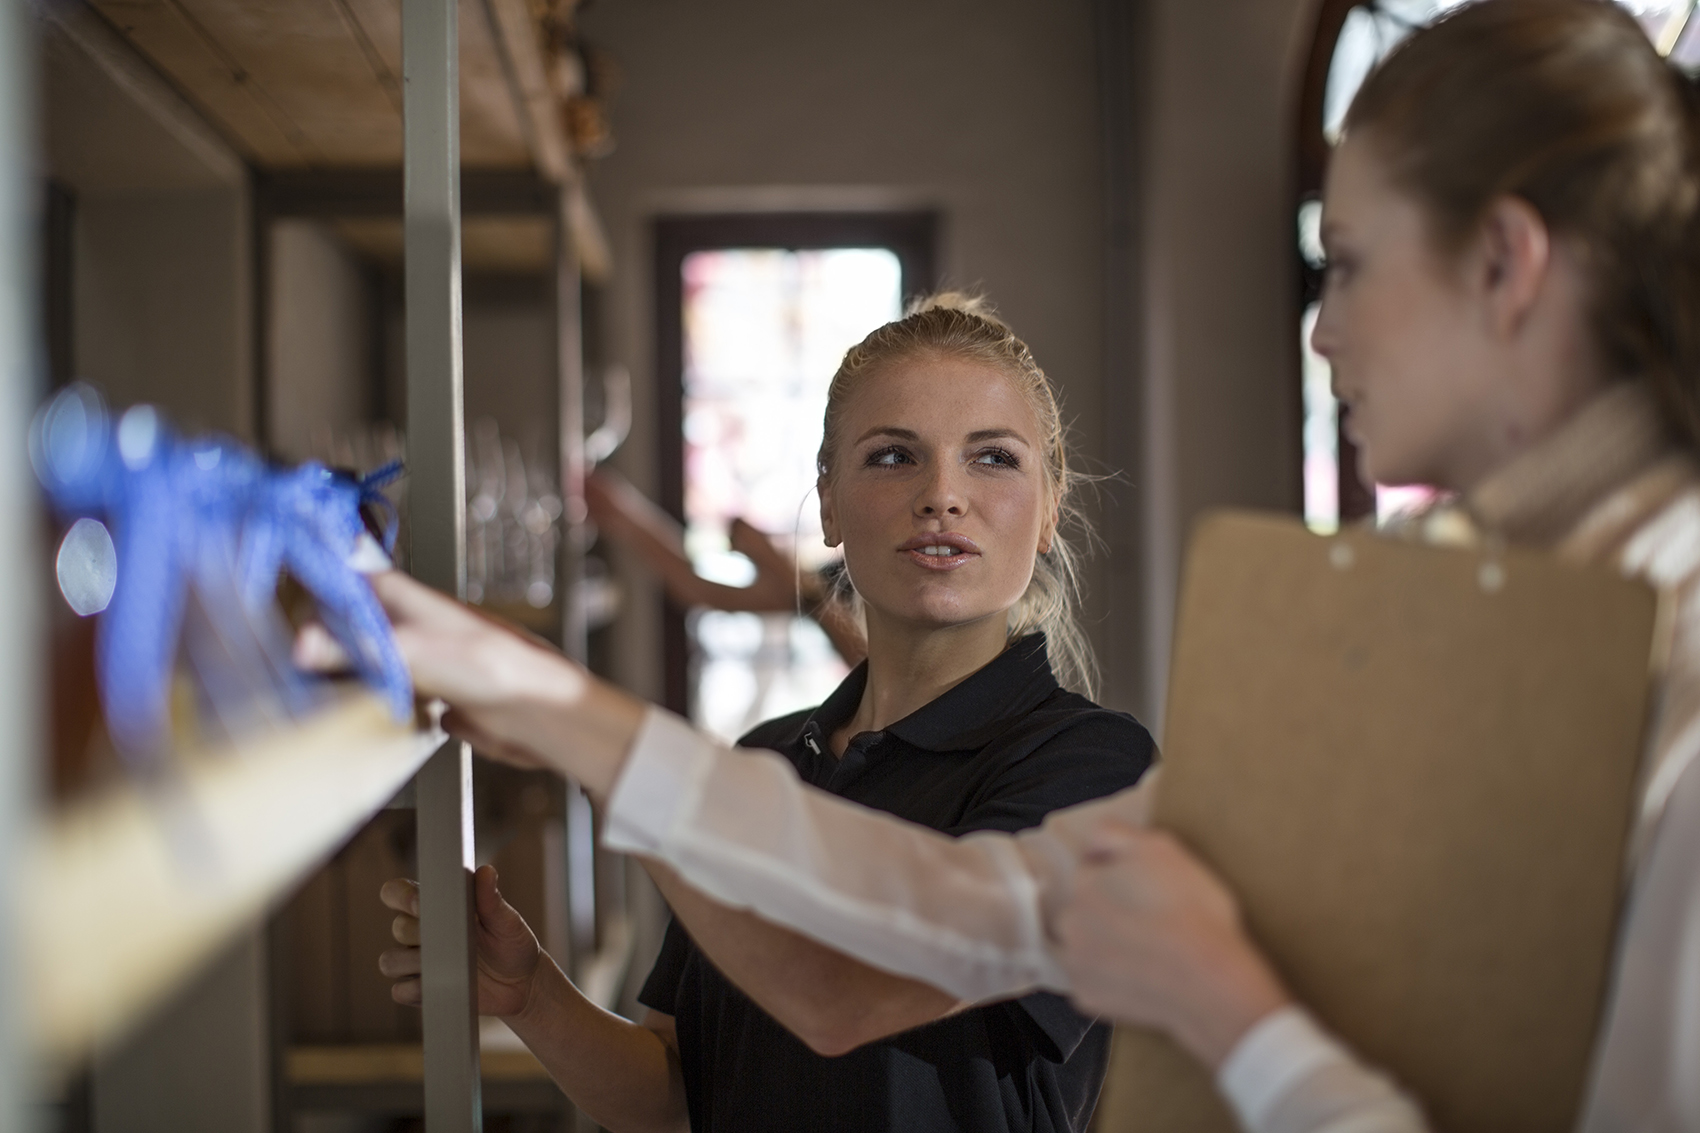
(1417, 768)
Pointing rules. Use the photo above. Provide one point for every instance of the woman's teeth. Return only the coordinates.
(939, 550)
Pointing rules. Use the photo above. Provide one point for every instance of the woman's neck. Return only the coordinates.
(910, 666)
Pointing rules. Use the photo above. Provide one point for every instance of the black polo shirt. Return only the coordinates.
(997, 752)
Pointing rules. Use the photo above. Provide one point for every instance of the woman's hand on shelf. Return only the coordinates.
(509, 958)
(514, 698)
(1151, 936)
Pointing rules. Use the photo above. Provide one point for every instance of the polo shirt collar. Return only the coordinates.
(967, 717)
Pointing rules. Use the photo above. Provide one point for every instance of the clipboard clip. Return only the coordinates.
(1490, 573)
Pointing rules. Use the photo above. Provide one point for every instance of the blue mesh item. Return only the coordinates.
(206, 521)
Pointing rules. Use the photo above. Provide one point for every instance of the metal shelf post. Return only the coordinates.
(437, 514)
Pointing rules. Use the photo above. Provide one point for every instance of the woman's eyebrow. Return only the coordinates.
(911, 435)
(889, 431)
(997, 435)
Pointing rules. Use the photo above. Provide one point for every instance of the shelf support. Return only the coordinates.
(437, 517)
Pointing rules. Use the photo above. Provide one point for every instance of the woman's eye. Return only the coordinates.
(888, 457)
(997, 457)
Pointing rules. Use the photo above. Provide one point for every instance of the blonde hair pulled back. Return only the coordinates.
(954, 324)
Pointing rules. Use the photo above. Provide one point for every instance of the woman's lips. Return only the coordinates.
(940, 551)
(1348, 419)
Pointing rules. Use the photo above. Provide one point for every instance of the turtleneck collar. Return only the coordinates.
(1543, 495)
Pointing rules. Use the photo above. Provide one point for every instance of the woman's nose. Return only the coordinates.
(942, 495)
(1322, 339)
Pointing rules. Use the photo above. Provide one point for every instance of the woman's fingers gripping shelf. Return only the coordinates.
(402, 964)
(513, 697)
(509, 957)
(462, 656)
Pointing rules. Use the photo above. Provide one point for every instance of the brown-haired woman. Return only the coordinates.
(944, 476)
(1512, 311)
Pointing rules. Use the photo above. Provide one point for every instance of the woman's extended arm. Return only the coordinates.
(960, 914)
(967, 915)
(830, 1001)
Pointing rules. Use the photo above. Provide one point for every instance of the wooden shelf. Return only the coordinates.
(502, 1058)
(389, 1077)
(132, 892)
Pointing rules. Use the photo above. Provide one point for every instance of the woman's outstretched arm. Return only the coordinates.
(971, 916)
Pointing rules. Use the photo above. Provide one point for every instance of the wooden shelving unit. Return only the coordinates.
(306, 109)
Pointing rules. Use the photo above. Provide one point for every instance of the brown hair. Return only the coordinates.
(956, 325)
(1566, 105)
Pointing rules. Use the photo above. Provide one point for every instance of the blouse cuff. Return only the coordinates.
(660, 783)
(1279, 1052)
(1287, 1075)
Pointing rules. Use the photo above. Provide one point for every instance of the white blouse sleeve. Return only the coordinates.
(963, 914)
(1287, 1075)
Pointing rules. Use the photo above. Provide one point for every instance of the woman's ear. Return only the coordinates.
(1516, 253)
(1048, 534)
(828, 521)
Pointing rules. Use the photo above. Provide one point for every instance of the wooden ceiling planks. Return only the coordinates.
(493, 127)
(316, 83)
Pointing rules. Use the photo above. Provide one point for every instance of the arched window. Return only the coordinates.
(1351, 38)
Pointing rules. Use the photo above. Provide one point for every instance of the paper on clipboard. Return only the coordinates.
(1416, 766)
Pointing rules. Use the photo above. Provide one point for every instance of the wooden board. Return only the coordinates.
(1416, 766)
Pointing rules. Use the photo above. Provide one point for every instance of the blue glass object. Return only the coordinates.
(208, 519)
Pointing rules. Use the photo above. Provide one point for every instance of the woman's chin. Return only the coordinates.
(942, 612)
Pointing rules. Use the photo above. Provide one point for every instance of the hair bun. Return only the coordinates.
(964, 301)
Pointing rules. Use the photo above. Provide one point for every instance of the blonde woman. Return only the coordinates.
(943, 476)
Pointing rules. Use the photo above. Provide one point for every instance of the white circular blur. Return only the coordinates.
(87, 567)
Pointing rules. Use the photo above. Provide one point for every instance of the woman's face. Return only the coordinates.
(938, 492)
(1403, 329)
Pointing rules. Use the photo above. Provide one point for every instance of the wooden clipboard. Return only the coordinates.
(1417, 768)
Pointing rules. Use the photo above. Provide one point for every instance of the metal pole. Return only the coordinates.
(569, 346)
(437, 515)
(20, 655)
(569, 364)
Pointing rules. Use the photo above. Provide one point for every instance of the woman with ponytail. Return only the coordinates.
(944, 475)
(1512, 311)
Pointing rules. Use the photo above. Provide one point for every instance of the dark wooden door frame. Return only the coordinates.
(911, 236)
